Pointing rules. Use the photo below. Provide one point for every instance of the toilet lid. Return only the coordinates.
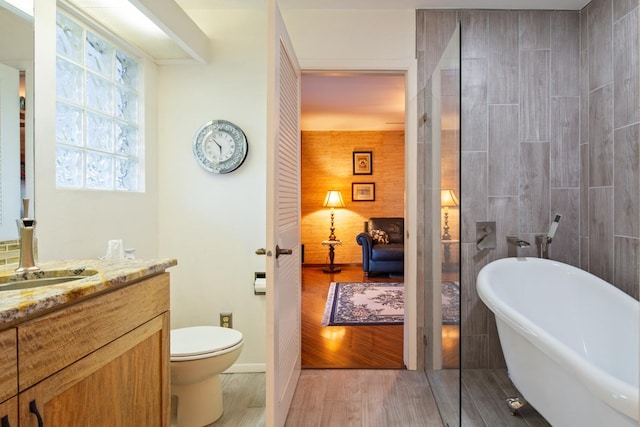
(198, 340)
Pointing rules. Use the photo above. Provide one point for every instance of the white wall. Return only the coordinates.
(77, 223)
(214, 223)
(366, 37)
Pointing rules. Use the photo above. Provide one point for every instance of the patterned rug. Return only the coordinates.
(450, 303)
(364, 304)
(351, 304)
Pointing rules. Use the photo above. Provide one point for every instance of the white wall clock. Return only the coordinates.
(220, 146)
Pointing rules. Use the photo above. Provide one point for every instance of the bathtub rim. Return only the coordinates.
(617, 393)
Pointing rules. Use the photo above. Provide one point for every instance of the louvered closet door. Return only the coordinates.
(283, 225)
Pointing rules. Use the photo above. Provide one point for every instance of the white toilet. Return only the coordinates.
(198, 355)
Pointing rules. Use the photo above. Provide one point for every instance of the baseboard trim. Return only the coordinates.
(243, 368)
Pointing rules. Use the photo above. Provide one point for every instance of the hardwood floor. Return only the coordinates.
(244, 400)
(354, 347)
(363, 398)
(377, 397)
(477, 398)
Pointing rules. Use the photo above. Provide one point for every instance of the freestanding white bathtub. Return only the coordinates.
(570, 340)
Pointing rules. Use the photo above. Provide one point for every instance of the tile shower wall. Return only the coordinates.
(550, 106)
(520, 146)
(609, 149)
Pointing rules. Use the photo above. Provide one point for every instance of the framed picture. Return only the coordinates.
(362, 163)
(363, 191)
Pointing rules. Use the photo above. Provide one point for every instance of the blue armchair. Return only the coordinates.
(383, 246)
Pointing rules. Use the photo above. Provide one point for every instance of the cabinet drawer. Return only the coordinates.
(52, 342)
(8, 364)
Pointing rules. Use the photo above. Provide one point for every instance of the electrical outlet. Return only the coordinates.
(226, 320)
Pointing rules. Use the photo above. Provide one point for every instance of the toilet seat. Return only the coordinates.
(200, 342)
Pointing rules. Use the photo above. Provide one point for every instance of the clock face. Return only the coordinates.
(220, 146)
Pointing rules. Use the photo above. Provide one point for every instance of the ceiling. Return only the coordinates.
(389, 4)
(352, 102)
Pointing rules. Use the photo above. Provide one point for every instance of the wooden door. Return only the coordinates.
(121, 384)
(283, 223)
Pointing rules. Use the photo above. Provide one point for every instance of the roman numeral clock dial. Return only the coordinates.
(220, 146)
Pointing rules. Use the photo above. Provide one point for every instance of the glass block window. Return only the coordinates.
(98, 144)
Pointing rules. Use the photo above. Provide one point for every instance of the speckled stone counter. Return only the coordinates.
(19, 305)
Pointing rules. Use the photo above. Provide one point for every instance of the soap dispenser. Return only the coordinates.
(26, 230)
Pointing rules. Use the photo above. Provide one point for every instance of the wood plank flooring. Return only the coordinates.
(363, 398)
(353, 347)
(244, 400)
(483, 394)
(378, 397)
(356, 347)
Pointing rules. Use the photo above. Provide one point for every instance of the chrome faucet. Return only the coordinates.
(544, 240)
(514, 242)
(26, 229)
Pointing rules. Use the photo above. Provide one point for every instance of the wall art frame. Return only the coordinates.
(362, 163)
(363, 191)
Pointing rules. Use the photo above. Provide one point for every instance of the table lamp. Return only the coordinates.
(448, 200)
(333, 200)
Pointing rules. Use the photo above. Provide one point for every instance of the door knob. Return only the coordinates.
(282, 251)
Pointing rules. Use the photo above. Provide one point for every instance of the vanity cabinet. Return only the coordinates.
(9, 413)
(8, 378)
(100, 362)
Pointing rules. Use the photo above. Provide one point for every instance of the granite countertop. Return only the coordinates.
(20, 305)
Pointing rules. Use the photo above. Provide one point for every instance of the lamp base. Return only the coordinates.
(332, 269)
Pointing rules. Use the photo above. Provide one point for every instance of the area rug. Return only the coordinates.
(450, 303)
(364, 304)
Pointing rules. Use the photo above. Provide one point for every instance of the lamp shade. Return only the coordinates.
(333, 199)
(448, 199)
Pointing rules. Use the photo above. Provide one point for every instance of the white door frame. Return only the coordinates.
(410, 70)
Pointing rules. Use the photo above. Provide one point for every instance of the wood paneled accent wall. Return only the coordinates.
(327, 165)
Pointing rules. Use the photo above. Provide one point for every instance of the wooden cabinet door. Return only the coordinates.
(9, 413)
(8, 364)
(125, 383)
